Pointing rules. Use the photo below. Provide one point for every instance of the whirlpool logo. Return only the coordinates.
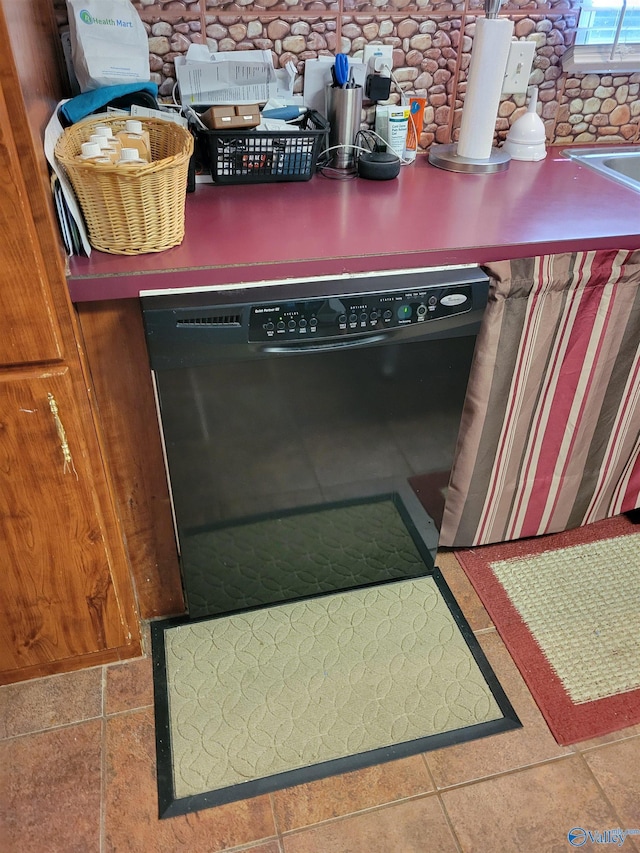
(87, 18)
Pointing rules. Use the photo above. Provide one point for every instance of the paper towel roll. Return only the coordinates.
(489, 55)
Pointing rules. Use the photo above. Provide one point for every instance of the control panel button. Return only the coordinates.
(358, 314)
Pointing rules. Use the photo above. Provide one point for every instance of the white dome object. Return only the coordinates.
(518, 151)
(101, 141)
(130, 155)
(526, 138)
(103, 130)
(89, 150)
(132, 125)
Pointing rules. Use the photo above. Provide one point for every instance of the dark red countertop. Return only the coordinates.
(427, 217)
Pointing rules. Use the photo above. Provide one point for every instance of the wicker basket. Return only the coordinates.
(134, 210)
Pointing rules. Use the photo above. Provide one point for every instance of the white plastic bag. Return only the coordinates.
(109, 43)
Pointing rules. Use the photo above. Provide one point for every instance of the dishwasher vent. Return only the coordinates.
(222, 319)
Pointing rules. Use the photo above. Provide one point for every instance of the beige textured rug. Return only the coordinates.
(567, 607)
(274, 690)
(583, 608)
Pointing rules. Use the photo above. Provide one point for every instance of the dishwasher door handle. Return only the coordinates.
(328, 347)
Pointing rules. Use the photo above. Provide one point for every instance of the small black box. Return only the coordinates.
(377, 88)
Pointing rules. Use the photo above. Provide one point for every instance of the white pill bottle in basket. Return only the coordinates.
(107, 133)
(134, 136)
(91, 152)
(129, 157)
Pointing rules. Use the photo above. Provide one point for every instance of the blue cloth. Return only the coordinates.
(88, 102)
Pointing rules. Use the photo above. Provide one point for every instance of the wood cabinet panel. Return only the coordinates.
(113, 338)
(29, 329)
(34, 79)
(58, 599)
(66, 593)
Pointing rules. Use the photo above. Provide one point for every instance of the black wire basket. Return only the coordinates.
(260, 156)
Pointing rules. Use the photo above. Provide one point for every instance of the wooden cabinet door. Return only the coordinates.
(57, 595)
(66, 595)
(30, 330)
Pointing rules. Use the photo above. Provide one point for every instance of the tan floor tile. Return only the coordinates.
(417, 826)
(463, 591)
(129, 685)
(532, 810)
(50, 791)
(132, 824)
(621, 734)
(351, 792)
(44, 703)
(507, 751)
(617, 769)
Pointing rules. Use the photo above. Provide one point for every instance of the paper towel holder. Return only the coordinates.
(446, 156)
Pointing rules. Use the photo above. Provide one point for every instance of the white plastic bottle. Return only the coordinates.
(134, 136)
(90, 151)
(103, 130)
(129, 157)
(108, 150)
(107, 132)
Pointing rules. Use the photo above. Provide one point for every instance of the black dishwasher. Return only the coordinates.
(306, 424)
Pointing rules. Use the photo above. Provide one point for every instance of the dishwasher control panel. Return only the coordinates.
(340, 316)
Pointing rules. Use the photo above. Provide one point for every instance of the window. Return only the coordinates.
(600, 19)
(608, 37)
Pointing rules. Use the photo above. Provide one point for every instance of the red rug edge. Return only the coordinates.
(568, 722)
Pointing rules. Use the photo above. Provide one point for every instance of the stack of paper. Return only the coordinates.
(235, 77)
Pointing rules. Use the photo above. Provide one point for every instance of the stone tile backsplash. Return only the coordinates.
(432, 42)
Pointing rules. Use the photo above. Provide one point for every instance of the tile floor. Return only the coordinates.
(77, 776)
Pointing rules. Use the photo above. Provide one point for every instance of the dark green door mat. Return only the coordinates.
(276, 696)
(298, 553)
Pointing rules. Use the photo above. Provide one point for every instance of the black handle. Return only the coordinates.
(331, 345)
